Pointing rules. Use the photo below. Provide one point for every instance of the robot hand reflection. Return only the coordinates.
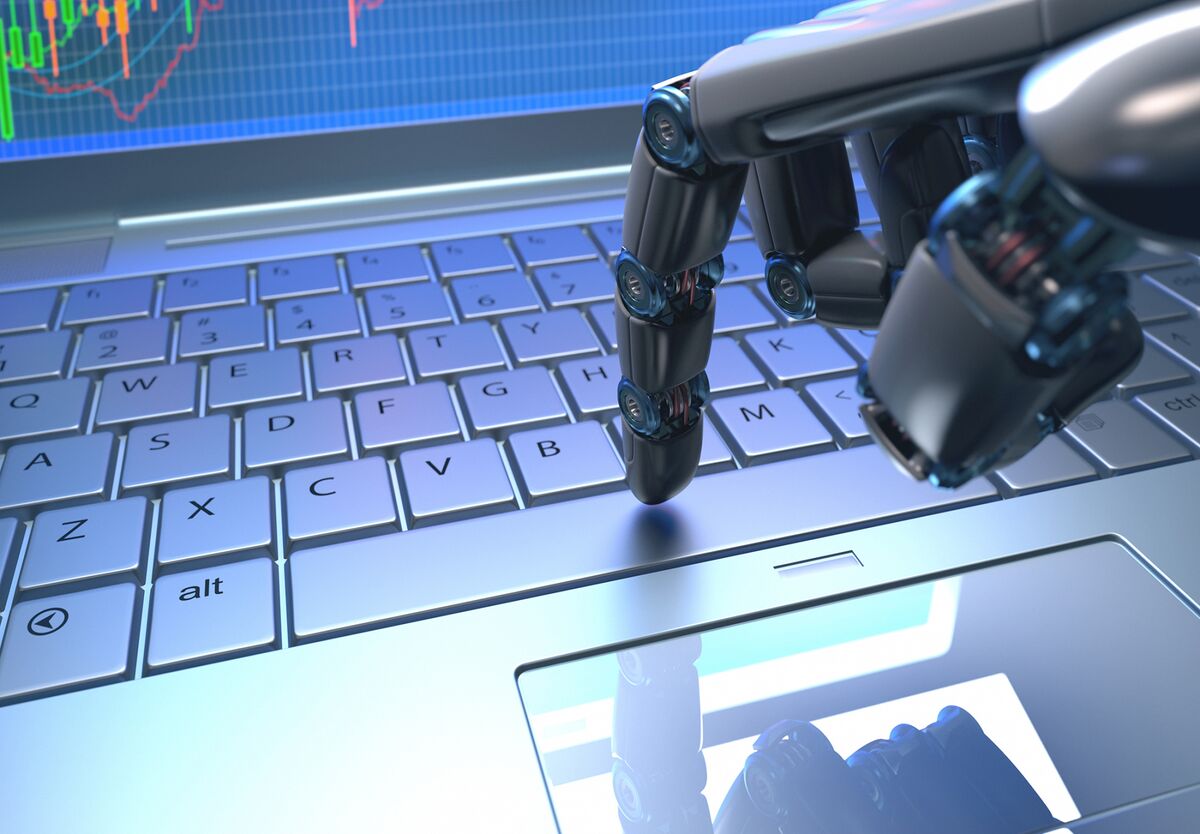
(947, 777)
(998, 318)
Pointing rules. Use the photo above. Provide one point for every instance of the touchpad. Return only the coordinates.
(1051, 689)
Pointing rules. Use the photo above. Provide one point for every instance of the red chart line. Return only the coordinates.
(161, 84)
(357, 7)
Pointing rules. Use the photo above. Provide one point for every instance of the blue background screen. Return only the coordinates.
(81, 76)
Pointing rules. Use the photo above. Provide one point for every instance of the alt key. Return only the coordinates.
(219, 611)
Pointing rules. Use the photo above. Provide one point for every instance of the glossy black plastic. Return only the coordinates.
(802, 202)
(656, 356)
(657, 470)
(677, 220)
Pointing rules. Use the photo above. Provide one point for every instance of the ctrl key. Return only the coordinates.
(68, 641)
(205, 614)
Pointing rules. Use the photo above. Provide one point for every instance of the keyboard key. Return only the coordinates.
(108, 300)
(1180, 338)
(210, 613)
(70, 470)
(542, 337)
(1051, 463)
(121, 344)
(378, 267)
(1150, 304)
(444, 483)
(1153, 370)
(218, 287)
(356, 363)
(1178, 408)
(327, 317)
(609, 235)
(69, 640)
(167, 455)
(220, 331)
(768, 425)
(105, 539)
(1181, 281)
(324, 504)
(217, 519)
(297, 277)
(738, 308)
(33, 356)
(743, 262)
(838, 401)
(366, 582)
(449, 351)
(862, 342)
(44, 409)
(250, 379)
(604, 318)
(591, 384)
(714, 452)
(149, 394)
(493, 295)
(729, 369)
(395, 308)
(548, 246)
(797, 353)
(28, 310)
(296, 433)
(1143, 259)
(565, 461)
(577, 283)
(504, 400)
(1122, 440)
(477, 254)
(406, 414)
(12, 533)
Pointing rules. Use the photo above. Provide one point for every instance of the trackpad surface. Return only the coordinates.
(1005, 699)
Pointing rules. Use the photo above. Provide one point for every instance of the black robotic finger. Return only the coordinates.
(909, 172)
(663, 388)
(663, 436)
(805, 214)
(850, 283)
(803, 202)
(657, 356)
(677, 219)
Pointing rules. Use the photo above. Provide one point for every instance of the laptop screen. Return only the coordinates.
(85, 76)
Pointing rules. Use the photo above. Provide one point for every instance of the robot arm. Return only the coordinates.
(1001, 322)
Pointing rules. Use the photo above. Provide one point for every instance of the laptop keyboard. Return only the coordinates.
(202, 465)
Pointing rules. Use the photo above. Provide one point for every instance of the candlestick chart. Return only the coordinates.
(79, 76)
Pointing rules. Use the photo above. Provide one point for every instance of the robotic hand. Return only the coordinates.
(1002, 320)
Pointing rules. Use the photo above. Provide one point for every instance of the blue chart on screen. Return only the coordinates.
(80, 76)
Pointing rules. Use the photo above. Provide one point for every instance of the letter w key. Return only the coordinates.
(165, 392)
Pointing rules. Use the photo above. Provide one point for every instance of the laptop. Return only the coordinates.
(311, 511)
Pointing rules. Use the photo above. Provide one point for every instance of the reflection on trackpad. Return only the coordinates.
(1008, 699)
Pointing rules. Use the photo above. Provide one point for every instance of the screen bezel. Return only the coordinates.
(77, 191)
